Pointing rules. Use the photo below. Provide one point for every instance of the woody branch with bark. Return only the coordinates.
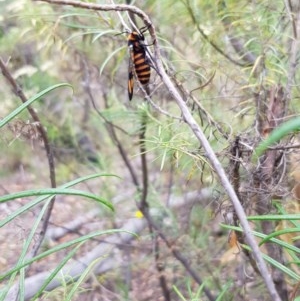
(191, 122)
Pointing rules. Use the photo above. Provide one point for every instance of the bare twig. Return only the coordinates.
(206, 37)
(19, 92)
(109, 125)
(189, 119)
(209, 118)
(290, 12)
(247, 56)
(271, 115)
(159, 109)
(122, 151)
(144, 206)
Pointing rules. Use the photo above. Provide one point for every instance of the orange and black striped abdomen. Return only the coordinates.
(138, 61)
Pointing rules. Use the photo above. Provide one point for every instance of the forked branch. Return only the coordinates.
(189, 119)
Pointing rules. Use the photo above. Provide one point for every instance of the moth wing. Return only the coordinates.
(130, 74)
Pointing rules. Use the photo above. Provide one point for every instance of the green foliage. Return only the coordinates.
(191, 296)
(51, 192)
(22, 107)
(46, 44)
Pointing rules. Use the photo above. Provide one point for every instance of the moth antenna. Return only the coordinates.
(127, 29)
(133, 24)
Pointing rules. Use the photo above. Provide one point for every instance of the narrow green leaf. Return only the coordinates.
(178, 293)
(284, 129)
(4, 291)
(224, 290)
(61, 247)
(274, 217)
(22, 282)
(23, 106)
(282, 210)
(261, 235)
(40, 199)
(110, 57)
(25, 248)
(54, 191)
(102, 33)
(278, 265)
(278, 233)
(56, 271)
(81, 279)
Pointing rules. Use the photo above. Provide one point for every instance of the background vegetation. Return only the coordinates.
(235, 64)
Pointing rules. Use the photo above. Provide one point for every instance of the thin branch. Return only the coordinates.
(159, 109)
(103, 7)
(234, 164)
(206, 37)
(121, 18)
(209, 118)
(43, 134)
(284, 147)
(131, 16)
(19, 92)
(144, 206)
(247, 56)
(293, 56)
(109, 125)
(289, 9)
(177, 254)
(265, 177)
(189, 119)
(160, 268)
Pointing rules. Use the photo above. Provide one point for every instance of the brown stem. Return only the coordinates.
(111, 128)
(178, 255)
(45, 220)
(293, 57)
(271, 111)
(191, 122)
(19, 92)
(144, 206)
(160, 268)
(234, 173)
